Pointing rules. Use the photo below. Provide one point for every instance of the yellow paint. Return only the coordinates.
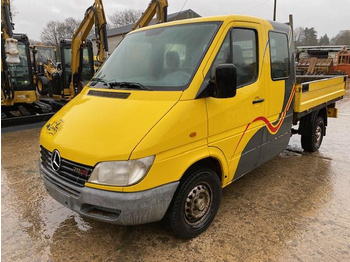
(20, 97)
(94, 129)
(320, 92)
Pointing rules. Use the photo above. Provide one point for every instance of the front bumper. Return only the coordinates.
(107, 206)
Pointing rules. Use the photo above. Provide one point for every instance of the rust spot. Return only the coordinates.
(193, 134)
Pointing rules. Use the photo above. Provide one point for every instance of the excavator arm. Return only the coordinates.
(158, 7)
(6, 19)
(94, 15)
(10, 52)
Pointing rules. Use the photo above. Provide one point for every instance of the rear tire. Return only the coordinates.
(195, 204)
(312, 143)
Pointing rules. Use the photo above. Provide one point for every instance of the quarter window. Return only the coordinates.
(279, 55)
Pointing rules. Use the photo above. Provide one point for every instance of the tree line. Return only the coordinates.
(305, 36)
(56, 30)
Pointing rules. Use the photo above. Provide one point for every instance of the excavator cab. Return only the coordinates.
(21, 73)
(41, 55)
(85, 71)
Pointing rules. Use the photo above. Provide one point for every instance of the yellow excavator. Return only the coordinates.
(16, 72)
(77, 55)
(45, 68)
(159, 7)
(19, 101)
(64, 81)
(77, 60)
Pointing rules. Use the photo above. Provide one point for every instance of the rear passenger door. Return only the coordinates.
(230, 120)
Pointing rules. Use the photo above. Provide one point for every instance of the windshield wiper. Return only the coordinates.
(101, 80)
(133, 85)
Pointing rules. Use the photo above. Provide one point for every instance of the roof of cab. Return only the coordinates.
(223, 18)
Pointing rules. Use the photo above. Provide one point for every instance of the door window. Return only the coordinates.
(240, 48)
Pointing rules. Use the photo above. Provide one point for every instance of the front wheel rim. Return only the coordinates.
(198, 204)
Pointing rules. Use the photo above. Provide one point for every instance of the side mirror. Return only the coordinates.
(226, 80)
(59, 66)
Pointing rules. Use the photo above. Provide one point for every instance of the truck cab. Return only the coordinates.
(179, 111)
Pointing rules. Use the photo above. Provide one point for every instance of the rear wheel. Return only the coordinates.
(312, 143)
(195, 204)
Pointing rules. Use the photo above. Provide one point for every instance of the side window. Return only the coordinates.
(223, 56)
(279, 55)
(240, 48)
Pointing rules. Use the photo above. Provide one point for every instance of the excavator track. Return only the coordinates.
(23, 114)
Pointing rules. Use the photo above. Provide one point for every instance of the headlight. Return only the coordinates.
(121, 173)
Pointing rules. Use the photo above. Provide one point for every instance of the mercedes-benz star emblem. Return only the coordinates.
(55, 160)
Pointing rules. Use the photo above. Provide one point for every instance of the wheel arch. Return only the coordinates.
(323, 113)
(207, 162)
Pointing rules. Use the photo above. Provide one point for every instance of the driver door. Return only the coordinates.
(231, 123)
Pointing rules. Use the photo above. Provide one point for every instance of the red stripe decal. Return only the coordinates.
(270, 127)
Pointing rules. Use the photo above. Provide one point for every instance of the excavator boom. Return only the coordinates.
(158, 7)
(93, 15)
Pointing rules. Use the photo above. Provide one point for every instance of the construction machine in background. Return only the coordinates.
(77, 54)
(39, 76)
(37, 87)
(15, 85)
(46, 71)
(18, 96)
(65, 81)
(159, 7)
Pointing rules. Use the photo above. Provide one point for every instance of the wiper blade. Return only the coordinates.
(97, 79)
(134, 85)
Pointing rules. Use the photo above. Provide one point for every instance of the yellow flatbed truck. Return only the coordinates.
(179, 111)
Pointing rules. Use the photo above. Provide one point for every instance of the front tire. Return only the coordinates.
(195, 204)
(313, 143)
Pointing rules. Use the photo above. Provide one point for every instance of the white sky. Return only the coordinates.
(326, 16)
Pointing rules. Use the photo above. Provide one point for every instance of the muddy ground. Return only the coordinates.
(296, 207)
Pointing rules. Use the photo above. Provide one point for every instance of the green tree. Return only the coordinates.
(324, 40)
(305, 36)
(342, 38)
(128, 16)
(55, 31)
(310, 36)
(299, 35)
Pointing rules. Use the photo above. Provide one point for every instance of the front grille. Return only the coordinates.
(71, 172)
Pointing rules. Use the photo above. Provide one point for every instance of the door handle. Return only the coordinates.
(258, 101)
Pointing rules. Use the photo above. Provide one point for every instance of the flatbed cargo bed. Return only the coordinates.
(315, 91)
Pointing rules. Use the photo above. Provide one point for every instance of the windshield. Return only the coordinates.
(45, 53)
(164, 58)
(20, 77)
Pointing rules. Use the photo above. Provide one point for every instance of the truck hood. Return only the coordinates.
(105, 125)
